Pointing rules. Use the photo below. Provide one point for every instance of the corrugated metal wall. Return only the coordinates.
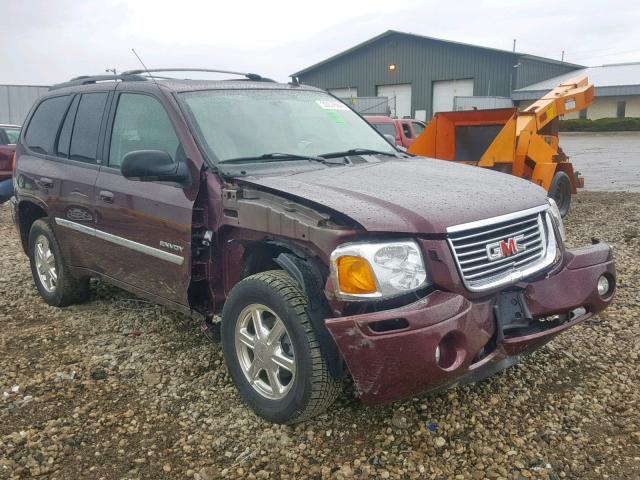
(420, 62)
(16, 100)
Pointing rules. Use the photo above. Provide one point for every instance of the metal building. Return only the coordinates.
(16, 100)
(617, 91)
(423, 75)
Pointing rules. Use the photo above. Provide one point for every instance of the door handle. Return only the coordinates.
(45, 182)
(106, 196)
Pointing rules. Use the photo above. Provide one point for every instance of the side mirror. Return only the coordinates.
(154, 165)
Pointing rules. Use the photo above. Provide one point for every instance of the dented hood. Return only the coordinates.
(409, 195)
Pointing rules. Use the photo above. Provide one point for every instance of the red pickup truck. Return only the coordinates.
(8, 138)
(404, 130)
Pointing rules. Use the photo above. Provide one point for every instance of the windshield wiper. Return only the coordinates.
(276, 157)
(358, 151)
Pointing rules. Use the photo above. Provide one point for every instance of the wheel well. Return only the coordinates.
(27, 214)
(309, 274)
(260, 257)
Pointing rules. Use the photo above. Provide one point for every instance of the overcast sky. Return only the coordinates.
(45, 42)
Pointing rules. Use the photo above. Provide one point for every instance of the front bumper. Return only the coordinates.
(445, 339)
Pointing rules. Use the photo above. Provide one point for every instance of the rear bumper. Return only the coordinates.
(446, 339)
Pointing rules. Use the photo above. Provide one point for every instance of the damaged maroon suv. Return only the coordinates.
(329, 253)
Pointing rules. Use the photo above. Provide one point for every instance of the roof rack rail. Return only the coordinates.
(249, 76)
(88, 79)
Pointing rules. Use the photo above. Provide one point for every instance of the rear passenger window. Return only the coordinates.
(43, 127)
(141, 123)
(86, 128)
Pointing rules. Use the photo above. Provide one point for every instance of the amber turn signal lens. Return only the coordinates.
(355, 276)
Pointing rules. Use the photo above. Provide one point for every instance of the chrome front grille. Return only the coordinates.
(503, 250)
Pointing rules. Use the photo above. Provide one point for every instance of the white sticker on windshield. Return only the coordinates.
(332, 105)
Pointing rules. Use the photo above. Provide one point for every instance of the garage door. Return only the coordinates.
(444, 91)
(344, 92)
(399, 98)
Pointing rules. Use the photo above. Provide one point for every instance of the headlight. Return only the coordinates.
(557, 217)
(377, 270)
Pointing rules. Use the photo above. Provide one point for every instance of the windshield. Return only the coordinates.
(250, 123)
(385, 128)
(12, 134)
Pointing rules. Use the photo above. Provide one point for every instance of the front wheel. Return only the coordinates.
(560, 192)
(271, 351)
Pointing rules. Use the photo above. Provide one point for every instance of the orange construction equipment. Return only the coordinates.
(522, 143)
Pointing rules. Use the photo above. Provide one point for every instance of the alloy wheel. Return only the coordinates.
(45, 264)
(265, 351)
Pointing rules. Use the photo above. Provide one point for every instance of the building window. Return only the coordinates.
(620, 111)
(583, 114)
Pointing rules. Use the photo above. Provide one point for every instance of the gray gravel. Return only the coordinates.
(120, 388)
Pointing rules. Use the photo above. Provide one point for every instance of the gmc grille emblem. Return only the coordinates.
(505, 248)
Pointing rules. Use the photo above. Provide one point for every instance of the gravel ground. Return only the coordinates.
(119, 388)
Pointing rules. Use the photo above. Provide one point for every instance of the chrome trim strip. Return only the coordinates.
(78, 227)
(546, 260)
(499, 219)
(123, 242)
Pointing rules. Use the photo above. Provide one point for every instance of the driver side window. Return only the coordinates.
(141, 123)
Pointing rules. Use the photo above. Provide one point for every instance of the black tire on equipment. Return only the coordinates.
(314, 389)
(68, 290)
(560, 192)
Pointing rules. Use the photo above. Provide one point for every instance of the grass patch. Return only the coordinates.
(600, 125)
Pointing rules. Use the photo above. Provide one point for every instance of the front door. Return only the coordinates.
(144, 228)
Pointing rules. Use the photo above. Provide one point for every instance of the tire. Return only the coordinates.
(44, 255)
(310, 389)
(560, 191)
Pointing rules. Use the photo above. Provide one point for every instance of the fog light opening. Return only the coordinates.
(389, 325)
(604, 286)
(450, 351)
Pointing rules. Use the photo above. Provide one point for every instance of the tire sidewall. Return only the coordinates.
(561, 181)
(251, 291)
(38, 228)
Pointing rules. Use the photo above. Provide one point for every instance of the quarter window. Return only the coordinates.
(86, 128)
(43, 127)
(141, 123)
(406, 130)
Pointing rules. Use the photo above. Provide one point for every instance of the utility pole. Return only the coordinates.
(562, 60)
(514, 45)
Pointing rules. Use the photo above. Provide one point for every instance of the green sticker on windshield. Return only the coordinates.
(334, 116)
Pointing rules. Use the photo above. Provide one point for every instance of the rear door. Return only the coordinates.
(71, 174)
(143, 228)
(57, 167)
